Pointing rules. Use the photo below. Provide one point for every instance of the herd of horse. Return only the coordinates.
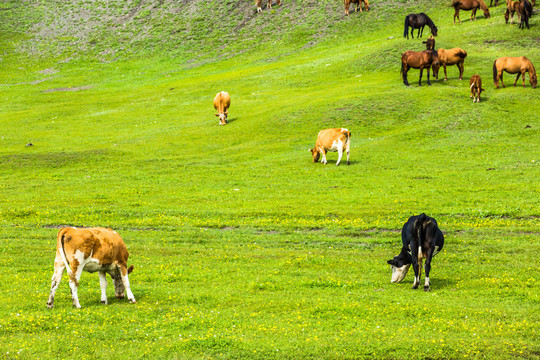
(431, 59)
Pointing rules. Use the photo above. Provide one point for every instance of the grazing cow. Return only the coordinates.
(421, 236)
(258, 3)
(332, 140)
(222, 101)
(358, 3)
(476, 88)
(91, 249)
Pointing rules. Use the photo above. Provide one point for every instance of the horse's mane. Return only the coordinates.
(430, 22)
(483, 5)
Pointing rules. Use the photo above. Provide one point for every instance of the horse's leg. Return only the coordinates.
(428, 69)
(501, 78)
(405, 70)
(461, 68)
(420, 80)
(473, 14)
(421, 30)
(519, 74)
(445, 75)
(456, 14)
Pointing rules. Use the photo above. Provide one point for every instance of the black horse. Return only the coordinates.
(418, 21)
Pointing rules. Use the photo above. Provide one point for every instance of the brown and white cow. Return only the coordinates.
(332, 140)
(476, 88)
(91, 250)
(222, 101)
(258, 3)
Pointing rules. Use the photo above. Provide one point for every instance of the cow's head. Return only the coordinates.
(222, 118)
(315, 153)
(400, 266)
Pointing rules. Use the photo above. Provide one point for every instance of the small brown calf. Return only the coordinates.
(476, 88)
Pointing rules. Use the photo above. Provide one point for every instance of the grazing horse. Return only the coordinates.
(513, 65)
(358, 3)
(418, 60)
(476, 88)
(430, 43)
(511, 8)
(421, 239)
(525, 12)
(455, 56)
(258, 3)
(523, 9)
(469, 5)
(418, 21)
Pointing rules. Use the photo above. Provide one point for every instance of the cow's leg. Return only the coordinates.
(55, 281)
(323, 155)
(76, 272)
(348, 150)
(340, 153)
(427, 268)
(416, 268)
(125, 281)
(103, 285)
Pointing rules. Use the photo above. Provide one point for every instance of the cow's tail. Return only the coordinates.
(130, 269)
(406, 26)
(346, 132)
(62, 239)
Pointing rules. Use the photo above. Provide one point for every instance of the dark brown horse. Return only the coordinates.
(358, 3)
(418, 21)
(418, 60)
(513, 65)
(469, 5)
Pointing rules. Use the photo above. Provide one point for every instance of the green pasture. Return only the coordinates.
(242, 246)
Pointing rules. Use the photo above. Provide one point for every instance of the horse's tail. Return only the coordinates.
(454, 3)
(462, 53)
(473, 84)
(406, 26)
(495, 71)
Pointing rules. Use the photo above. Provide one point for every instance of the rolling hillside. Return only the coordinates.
(242, 246)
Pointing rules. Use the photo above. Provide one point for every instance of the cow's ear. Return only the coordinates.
(392, 262)
(217, 114)
(310, 150)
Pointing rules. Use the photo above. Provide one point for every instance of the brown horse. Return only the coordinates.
(523, 9)
(358, 3)
(258, 3)
(430, 43)
(511, 8)
(418, 60)
(469, 5)
(513, 65)
(455, 56)
(476, 87)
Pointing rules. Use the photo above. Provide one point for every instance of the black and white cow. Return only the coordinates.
(422, 239)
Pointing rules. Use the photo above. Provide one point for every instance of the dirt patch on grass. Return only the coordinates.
(77, 88)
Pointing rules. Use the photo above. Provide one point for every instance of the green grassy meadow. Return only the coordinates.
(243, 247)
